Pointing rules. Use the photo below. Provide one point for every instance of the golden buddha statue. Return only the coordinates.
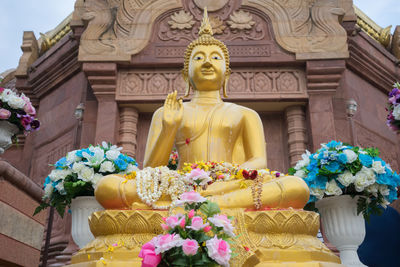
(208, 129)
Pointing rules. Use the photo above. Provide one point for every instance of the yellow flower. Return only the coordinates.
(110, 249)
(130, 176)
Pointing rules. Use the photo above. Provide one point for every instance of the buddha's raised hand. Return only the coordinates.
(173, 111)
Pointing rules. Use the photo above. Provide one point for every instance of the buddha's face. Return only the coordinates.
(207, 68)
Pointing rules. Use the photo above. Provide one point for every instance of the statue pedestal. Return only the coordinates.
(271, 238)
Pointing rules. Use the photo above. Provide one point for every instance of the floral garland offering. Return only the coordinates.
(200, 237)
(78, 173)
(393, 118)
(18, 110)
(340, 169)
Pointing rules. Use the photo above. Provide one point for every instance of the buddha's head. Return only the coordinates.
(206, 66)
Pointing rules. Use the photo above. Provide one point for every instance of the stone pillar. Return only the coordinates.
(128, 130)
(297, 138)
(323, 78)
(102, 78)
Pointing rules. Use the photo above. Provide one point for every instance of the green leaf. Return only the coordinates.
(292, 171)
(41, 207)
(210, 209)
(182, 261)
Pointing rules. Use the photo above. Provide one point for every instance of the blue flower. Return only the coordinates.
(319, 182)
(121, 164)
(312, 199)
(334, 144)
(383, 178)
(313, 164)
(333, 166)
(366, 160)
(342, 158)
(61, 163)
(392, 194)
(79, 152)
(47, 181)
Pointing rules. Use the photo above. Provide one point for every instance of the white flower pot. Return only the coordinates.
(7, 131)
(342, 226)
(81, 209)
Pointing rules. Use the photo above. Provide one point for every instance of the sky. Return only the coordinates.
(41, 16)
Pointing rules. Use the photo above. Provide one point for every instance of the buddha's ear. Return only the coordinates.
(186, 79)
(225, 85)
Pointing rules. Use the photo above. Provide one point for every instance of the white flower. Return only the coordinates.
(72, 157)
(86, 174)
(77, 166)
(364, 178)
(7, 95)
(384, 190)
(300, 173)
(396, 112)
(95, 180)
(112, 154)
(332, 188)
(373, 189)
(221, 220)
(317, 192)
(377, 167)
(351, 155)
(197, 176)
(304, 161)
(16, 102)
(107, 166)
(96, 159)
(60, 188)
(48, 190)
(346, 178)
(56, 175)
(131, 168)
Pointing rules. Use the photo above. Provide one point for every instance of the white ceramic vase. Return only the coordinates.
(81, 209)
(342, 226)
(7, 131)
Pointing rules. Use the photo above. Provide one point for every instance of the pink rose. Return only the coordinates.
(207, 229)
(164, 226)
(173, 221)
(190, 197)
(149, 256)
(4, 113)
(197, 223)
(182, 222)
(191, 214)
(29, 109)
(197, 176)
(190, 247)
(220, 220)
(219, 250)
(166, 242)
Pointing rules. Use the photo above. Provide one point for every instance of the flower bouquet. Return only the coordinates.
(18, 110)
(79, 171)
(200, 237)
(173, 161)
(393, 118)
(339, 169)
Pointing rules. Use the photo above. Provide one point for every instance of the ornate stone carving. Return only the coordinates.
(217, 25)
(296, 128)
(396, 42)
(265, 83)
(181, 20)
(240, 20)
(118, 29)
(211, 5)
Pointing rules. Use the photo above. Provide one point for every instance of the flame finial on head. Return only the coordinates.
(205, 27)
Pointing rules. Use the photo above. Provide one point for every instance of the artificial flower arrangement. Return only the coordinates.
(340, 169)
(18, 110)
(173, 161)
(200, 237)
(152, 183)
(79, 171)
(393, 118)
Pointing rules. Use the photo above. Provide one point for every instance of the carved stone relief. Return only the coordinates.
(118, 29)
(266, 83)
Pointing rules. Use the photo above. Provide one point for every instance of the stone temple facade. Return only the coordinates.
(298, 63)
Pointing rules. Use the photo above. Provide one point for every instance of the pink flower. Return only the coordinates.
(4, 114)
(1, 90)
(149, 256)
(220, 220)
(182, 222)
(219, 250)
(197, 176)
(29, 109)
(189, 247)
(197, 223)
(207, 229)
(191, 214)
(166, 242)
(164, 227)
(190, 197)
(173, 221)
